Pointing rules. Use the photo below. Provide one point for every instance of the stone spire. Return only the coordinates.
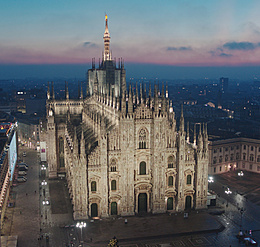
(107, 54)
(48, 91)
(66, 90)
(182, 120)
(188, 132)
(130, 100)
(52, 87)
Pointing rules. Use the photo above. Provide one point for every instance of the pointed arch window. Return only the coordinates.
(113, 185)
(142, 139)
(189, 179)
(170, 181)
(171, 162)
(113, 165)
(142, 168)
(93, 186)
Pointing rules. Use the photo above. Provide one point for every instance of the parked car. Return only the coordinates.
(22, 168)
(22, 164)
(21, 179)
(22, 172)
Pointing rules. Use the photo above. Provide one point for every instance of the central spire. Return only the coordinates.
(107, 55)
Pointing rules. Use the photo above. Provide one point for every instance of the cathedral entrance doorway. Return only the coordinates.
(113, 208)
(142, 203)
(94, 210)
(188, 202)
(170, 203)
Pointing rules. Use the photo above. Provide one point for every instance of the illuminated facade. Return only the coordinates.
(233, 154)
(121, 151)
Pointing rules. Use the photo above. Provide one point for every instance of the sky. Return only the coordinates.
(175, 39)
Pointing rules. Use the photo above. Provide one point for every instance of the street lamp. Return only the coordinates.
(240, 174)
(44, 182)
(81, 225)
(210, 180)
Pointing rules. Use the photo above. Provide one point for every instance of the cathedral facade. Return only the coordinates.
(121, 149)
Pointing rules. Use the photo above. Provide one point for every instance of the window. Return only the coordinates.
(220, 159)
(252, 148)
(142, 139)
(214, 169)
(237, 156)
(215, 150)
(231, 148)
(237, 147)
(214, 160)
(231, 157)
(170, 181)
(244, 147)
(226, 157)
(251, 157)
(250, 166)
(220, 149)
(244, 156)
(170, 162)
(113, 185)
(142, 168)
(220, 168)
(113, 165)
(258, 158)
(189, 179)
(93, 186)
(258, 168)
(226, 149)
(243, 165)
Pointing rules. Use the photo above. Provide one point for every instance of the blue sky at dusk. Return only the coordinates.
(186, 34)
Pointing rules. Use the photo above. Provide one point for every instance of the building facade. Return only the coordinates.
(232, 154)
(121, 150)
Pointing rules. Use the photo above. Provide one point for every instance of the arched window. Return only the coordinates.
(93, 186)
(170, 203)
(142, 168)
(170, 181)
(113, 165)
(189, 179)
(142, 139)
(113, 185)
(170, 162)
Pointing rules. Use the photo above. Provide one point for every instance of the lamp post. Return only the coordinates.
(81, 225)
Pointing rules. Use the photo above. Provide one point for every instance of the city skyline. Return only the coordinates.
(201, 39)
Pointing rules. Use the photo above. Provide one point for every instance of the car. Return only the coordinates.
(22, 172)
(248, 240)
(21, 179)
(22, 164)
(22, 168)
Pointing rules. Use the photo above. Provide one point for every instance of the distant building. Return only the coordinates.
(233, 154)
(8, 159)
(223, 83)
